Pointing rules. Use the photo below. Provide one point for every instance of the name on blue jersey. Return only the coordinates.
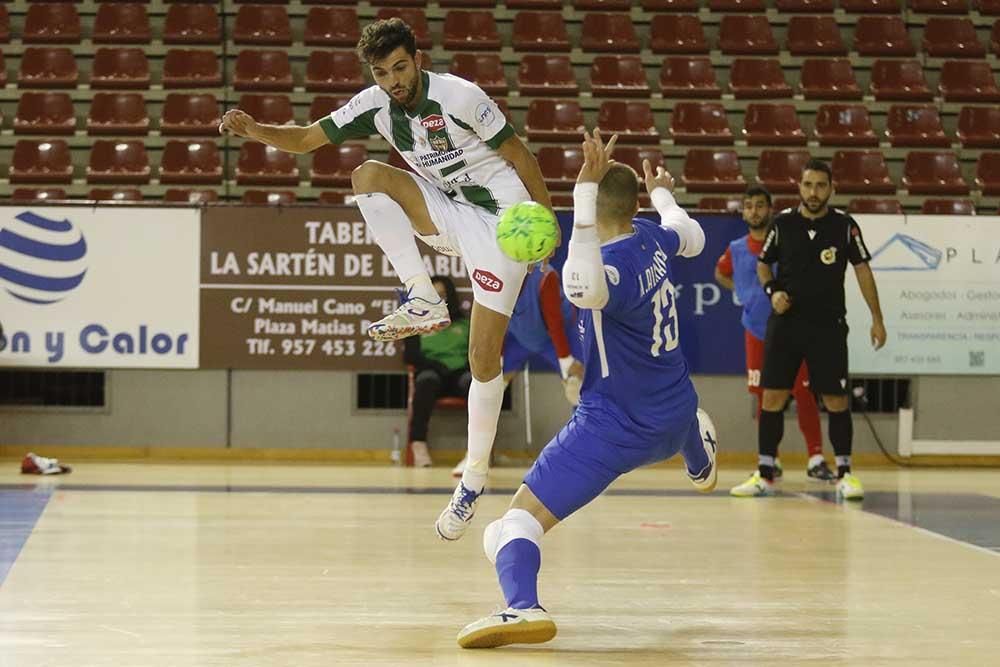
(651, 276)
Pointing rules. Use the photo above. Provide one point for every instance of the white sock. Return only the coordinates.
(394, 234)
(815, 460)
(485, 399)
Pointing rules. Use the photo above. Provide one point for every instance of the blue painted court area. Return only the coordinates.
(20, 508)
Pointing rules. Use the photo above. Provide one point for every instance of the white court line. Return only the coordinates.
(313, 288)
(925, 531)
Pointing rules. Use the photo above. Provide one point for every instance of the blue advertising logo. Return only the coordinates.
(41, 260)
(905, 253)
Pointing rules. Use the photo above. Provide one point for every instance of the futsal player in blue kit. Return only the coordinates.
(637, 406)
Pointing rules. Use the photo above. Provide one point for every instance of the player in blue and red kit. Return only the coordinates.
(637, 405)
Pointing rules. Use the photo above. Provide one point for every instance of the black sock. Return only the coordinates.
(842, 439)
(770, 429)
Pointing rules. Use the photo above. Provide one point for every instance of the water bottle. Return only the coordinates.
(396, 455)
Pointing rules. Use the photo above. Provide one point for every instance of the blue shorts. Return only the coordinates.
(517, 356)
(577, 465)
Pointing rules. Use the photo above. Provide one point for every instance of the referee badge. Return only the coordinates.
(828, 256)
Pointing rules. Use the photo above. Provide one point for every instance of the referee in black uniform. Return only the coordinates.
(811, 245)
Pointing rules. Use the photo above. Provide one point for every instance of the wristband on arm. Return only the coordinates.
(772, 286)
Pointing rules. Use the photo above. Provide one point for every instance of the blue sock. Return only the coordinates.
(693, 451)
(517, 568)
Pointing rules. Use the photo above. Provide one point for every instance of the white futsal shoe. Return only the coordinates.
(455, 518)
(706, 480)
(510, 626)
(414, 316)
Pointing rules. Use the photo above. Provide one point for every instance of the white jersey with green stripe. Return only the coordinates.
(450, 139)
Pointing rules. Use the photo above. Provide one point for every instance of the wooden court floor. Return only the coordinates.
(176, 565)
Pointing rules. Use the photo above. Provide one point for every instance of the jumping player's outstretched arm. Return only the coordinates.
(660, 186)
(288, 138)
(583, 273)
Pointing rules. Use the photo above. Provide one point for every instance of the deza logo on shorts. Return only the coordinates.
(487, 280)
(41, 260)
(433, 123)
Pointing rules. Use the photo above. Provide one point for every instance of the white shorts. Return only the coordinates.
(470, 232)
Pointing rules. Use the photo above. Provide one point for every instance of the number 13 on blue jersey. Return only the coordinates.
(664, 319)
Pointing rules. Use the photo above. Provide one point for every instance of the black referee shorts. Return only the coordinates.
(823, 345)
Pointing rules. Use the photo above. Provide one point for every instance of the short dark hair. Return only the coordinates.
(758, 191)
(618, 192)
(381, 38)
(815, 164)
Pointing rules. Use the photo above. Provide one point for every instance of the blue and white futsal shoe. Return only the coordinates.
(414, 316)
(510, 626)
(705, 480)
(455, 518)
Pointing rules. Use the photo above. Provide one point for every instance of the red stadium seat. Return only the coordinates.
(670, 33)
(720, 204)
(4, 24)
(262, 24)
(191, 68)
(332, 165)
(707, 170)
(192, 24)
(995, 37)
(683, 76)
(190, 162)
(952, 38)
(265, 165)
(948, 207)
(754, 78)
(331, 71)
(805, 6)
(746, 35)
(815, 36)
(618, 76)
(781, 171)
(484, 69)
(180, 195)
(844, 125)
(192, 114)
(662, 5)
(861, 172)
(724, 6)
(332, 26)
(554, 120)
(51, 23)
(603, 5)
(875, 206)
(44, 113)
(546, 75)
(540, 31)
(46, 161)
(772, 125)
(119, 114)
(413, 17)
(988, 174)
(979, 127)
(38, 194)
(560, 166)
(120, 68)
(48, 67)
(331, 198)
(785, 203)
(115, 194)
(632, 121)
(968, 81)
(933, 173)
(829, 80)
(396, 3)
(871, 6)
(901, 80)
(700, 123)
(471, 31)
(882, 36)
(323, 105)
(910, 125)
(938, 6)
(271, 70)
(122, 23)
(268, 109)
(269, 197)
(116, 161)
(987, 7)
(609, 33)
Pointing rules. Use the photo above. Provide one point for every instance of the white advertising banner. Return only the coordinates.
(105, 287)
(938, 279)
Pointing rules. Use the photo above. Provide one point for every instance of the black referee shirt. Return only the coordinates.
(812, 257)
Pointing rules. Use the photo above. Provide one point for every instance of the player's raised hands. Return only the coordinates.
(238, 122)
(596, 157)
(660, 179)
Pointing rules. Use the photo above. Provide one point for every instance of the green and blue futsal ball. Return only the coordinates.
(527, 232)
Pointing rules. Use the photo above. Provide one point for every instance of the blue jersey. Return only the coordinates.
(636, 383)
(756, 304)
